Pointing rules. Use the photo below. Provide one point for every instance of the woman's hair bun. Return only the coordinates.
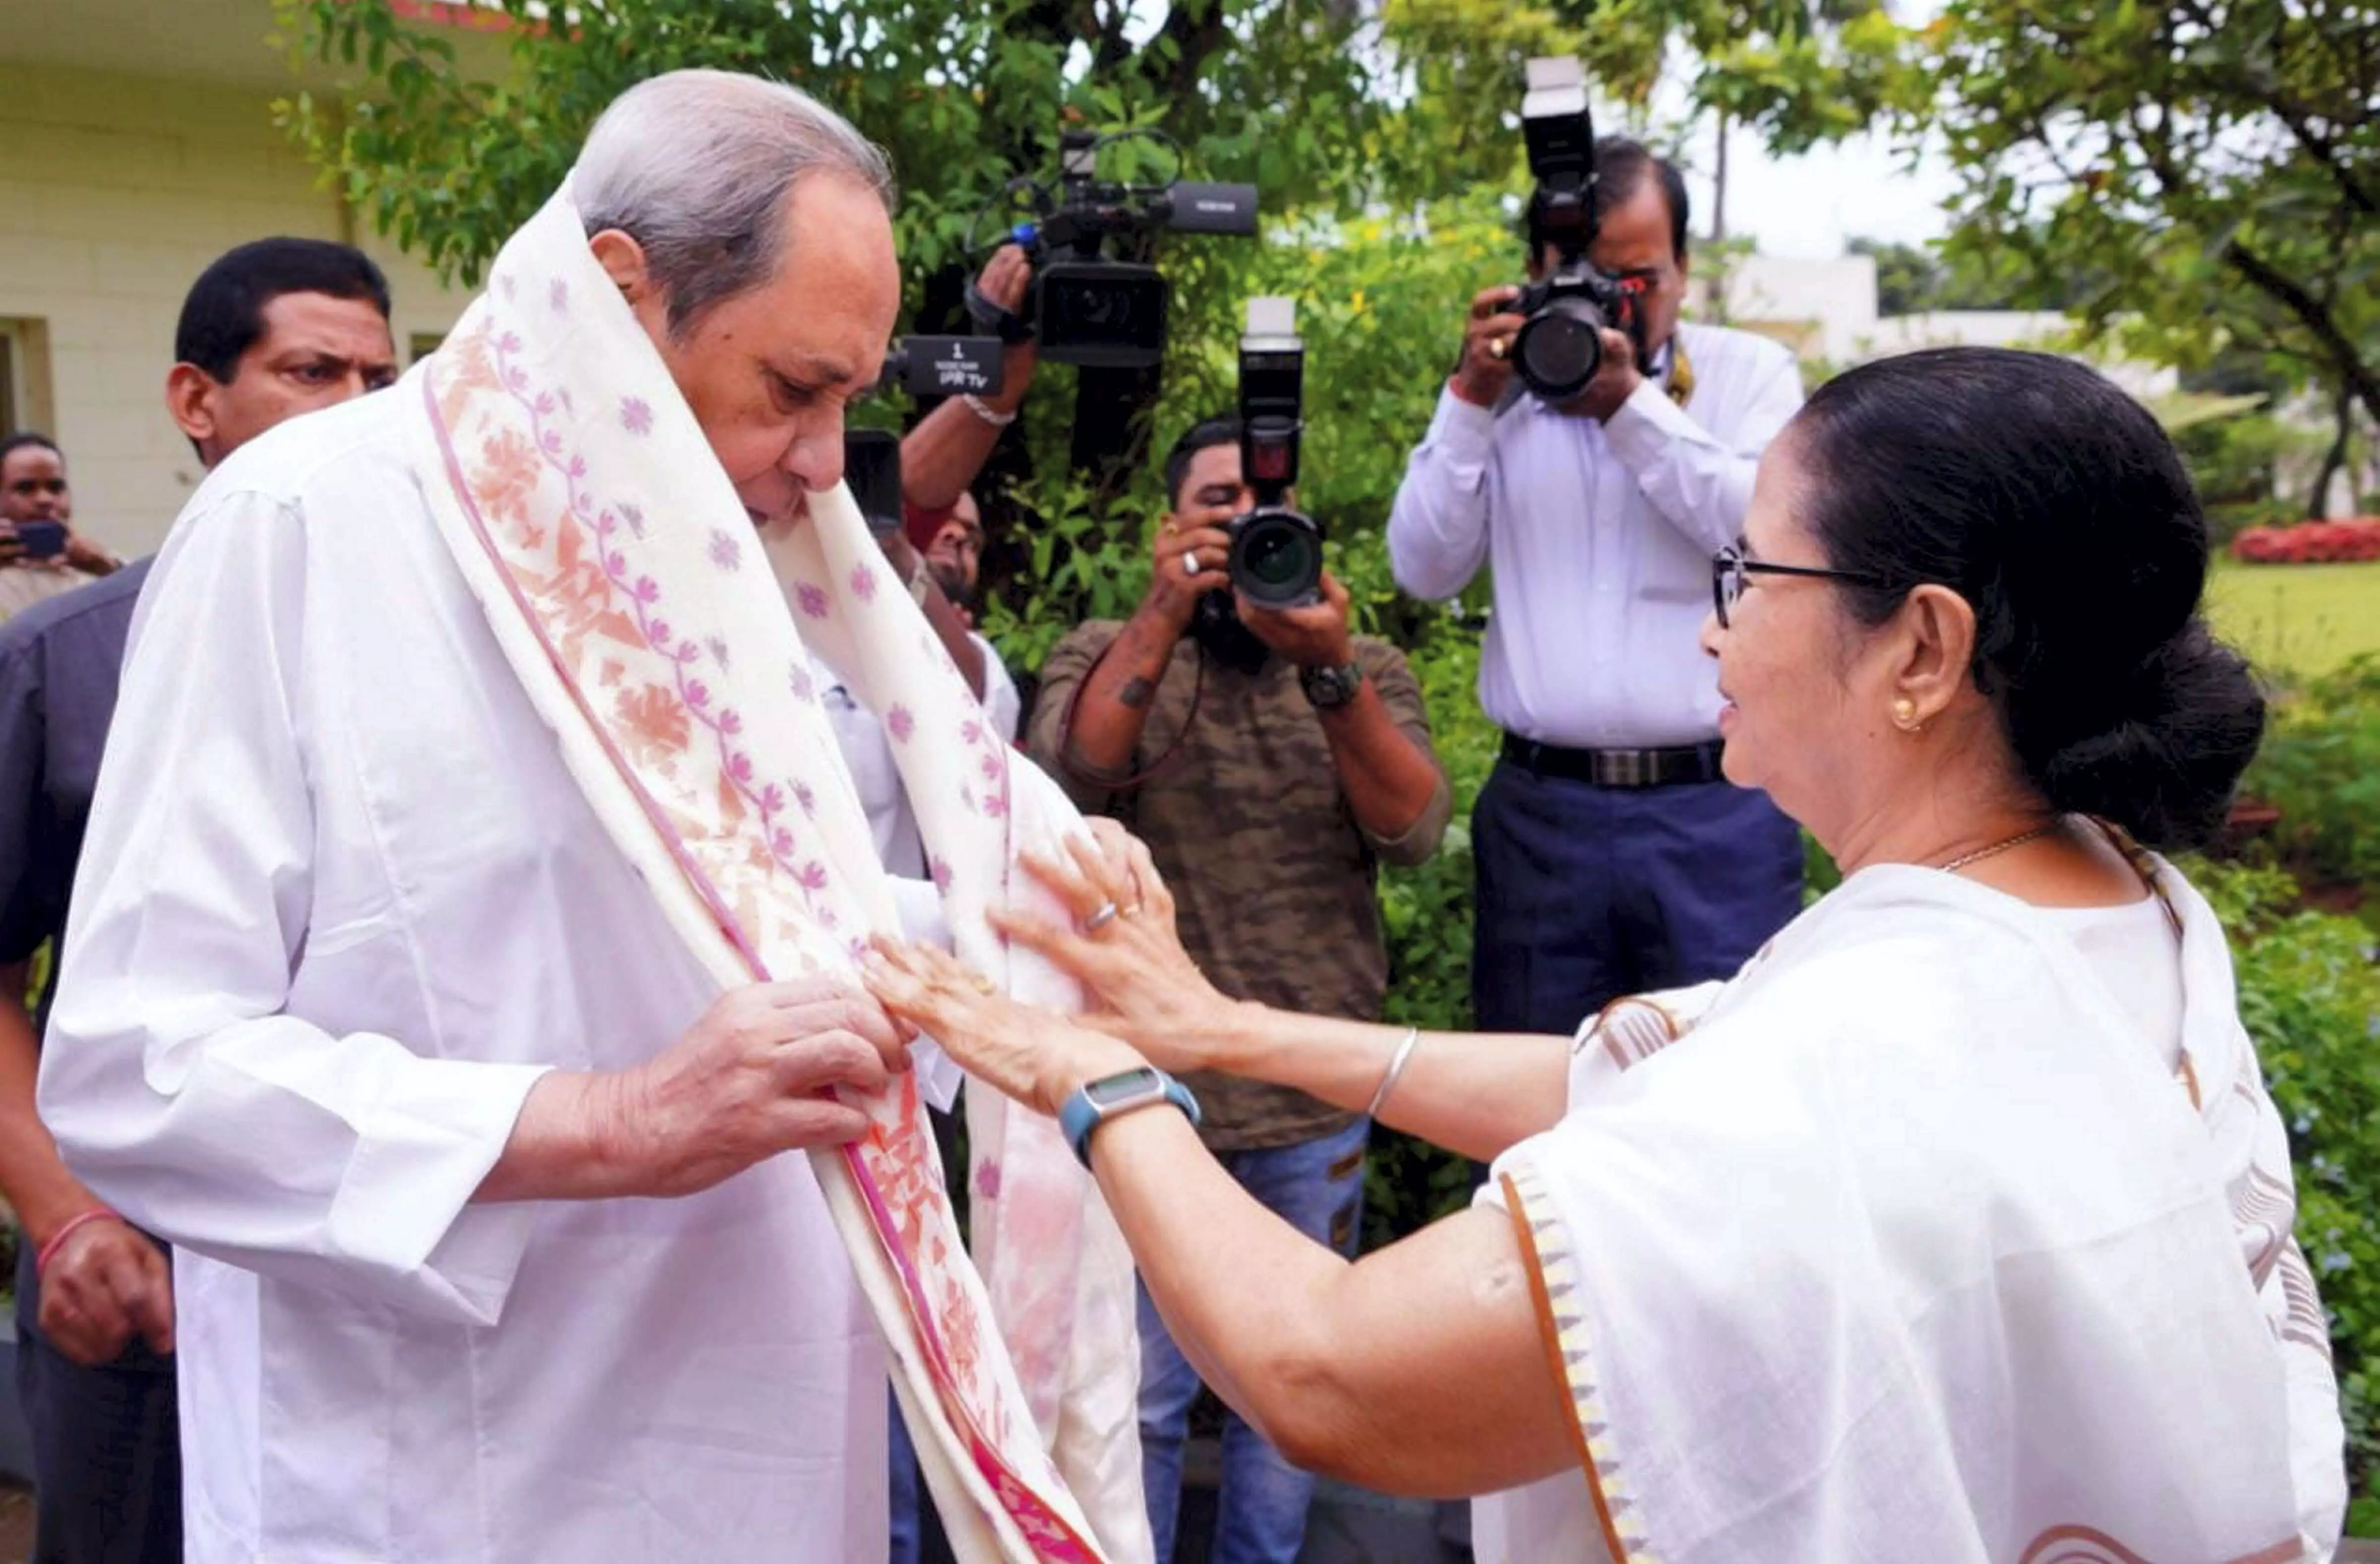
(2165, 766)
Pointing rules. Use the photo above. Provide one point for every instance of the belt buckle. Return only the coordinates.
(1627, 768)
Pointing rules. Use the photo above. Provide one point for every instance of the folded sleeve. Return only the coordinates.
(177, 1083)
(1438, 526)
(1053, 710)
(1400, 693)
(1697, 482)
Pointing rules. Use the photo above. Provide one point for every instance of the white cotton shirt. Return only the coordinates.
(339, 907)
(1599, 536)
(868, 750)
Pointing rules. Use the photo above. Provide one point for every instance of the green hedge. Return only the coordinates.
(2320, 767)
(2310, 994)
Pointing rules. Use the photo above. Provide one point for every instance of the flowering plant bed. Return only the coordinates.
(2355, 539)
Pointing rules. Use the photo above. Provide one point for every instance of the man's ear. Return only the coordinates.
(622, 260)
(190, 401)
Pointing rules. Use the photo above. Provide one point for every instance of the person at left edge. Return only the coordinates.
(270, 329)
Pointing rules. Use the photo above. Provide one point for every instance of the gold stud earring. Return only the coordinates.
(1904, 715)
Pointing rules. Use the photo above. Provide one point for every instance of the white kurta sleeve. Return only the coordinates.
(177, 1086)
(1698, 482)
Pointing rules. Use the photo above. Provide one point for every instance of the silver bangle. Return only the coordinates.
(983, 410)
(1396, 1069)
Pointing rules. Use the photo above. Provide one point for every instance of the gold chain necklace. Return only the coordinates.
(1997, 848)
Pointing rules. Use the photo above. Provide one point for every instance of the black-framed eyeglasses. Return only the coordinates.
(1731, 568)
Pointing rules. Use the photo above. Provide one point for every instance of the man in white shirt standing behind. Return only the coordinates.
(1611, 856)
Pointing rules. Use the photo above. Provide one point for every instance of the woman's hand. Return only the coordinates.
(1131, 959)
(1033, 1055)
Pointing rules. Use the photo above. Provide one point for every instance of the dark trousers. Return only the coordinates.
(107, 1457)
(1586, 893)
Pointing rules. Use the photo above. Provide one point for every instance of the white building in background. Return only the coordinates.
(140, 145)
(1826, 310)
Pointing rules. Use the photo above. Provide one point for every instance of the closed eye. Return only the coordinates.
(791, 393)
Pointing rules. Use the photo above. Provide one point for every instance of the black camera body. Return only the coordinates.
(1560, 348)
(1083, 307)
(923, 366)
(1276, 558)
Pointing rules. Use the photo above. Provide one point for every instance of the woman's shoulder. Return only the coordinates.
(1891, 931)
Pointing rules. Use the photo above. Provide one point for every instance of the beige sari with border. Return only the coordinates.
(1909, 1242)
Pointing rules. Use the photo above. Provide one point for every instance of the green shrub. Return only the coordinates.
(2320, 767)
(2309, 995)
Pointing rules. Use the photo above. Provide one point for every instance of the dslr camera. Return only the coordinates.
(1560, 348)
(1276, 558)
(924, 366)
(1083, 307)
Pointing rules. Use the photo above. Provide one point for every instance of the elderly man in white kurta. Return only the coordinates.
(361, 1011)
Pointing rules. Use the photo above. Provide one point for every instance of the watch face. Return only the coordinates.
(1127, 1087)
(1330, 687)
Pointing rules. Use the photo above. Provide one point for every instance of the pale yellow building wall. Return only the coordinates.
(115, 193)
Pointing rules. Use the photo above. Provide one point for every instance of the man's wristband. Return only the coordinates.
(986, 411)
(1111, 1096)
(65, 1230)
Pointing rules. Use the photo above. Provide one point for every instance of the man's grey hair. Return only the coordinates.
(696, 166)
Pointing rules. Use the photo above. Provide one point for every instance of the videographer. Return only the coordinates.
(940, 457)
(1611, 856)
(1270, 759)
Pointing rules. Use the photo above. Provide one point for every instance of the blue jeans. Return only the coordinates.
(907, 1483)
(1317, 1187)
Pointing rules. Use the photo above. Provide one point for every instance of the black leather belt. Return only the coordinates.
(1617, 768)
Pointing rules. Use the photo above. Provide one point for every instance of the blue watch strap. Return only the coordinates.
(1095, 1102)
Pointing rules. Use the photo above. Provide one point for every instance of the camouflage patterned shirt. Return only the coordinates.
(1251, 828)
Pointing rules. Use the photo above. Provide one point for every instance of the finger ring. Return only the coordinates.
(1496, 348)
(1190, 562)
(982, 985)
(1133, 911)
(1101, 918)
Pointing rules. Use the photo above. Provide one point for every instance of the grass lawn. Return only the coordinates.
(2299, 619)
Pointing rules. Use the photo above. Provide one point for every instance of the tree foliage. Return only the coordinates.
(2212, 167)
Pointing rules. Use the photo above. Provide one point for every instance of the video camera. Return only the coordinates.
(924, 366)
(1084, 309)
(1276, 559)
(1560, 348)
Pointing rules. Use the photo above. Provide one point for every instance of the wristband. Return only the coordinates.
(985, 411)
(1095, 1102)
(41, 1260)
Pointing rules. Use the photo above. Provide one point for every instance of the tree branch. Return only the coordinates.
(2353, 371)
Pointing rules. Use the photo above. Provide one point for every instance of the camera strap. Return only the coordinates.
(1681, 372)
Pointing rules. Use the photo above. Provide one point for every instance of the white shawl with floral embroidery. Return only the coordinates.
(668, 645)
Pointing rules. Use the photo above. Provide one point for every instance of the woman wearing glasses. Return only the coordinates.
(1955, 1226)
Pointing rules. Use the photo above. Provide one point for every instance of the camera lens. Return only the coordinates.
(1277, 558)
(1558, 351)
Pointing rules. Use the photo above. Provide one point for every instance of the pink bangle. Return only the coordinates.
(41, 1260)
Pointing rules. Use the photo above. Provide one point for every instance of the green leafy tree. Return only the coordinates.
(2211, 168)
(1384, 141)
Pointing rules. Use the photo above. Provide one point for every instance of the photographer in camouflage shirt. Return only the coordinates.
(1270, 759)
